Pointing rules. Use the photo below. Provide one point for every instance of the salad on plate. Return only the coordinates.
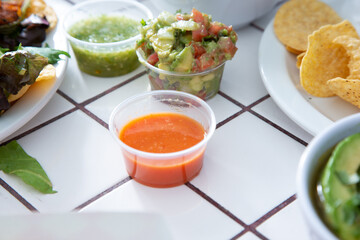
(23, 60)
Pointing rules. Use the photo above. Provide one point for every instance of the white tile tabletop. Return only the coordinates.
(245, 190)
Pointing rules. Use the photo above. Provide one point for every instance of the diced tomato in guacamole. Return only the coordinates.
(153, 58)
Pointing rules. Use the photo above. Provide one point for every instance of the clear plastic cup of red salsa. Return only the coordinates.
(163, 169)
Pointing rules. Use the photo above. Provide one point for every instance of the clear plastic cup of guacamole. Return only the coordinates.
(103, 35)
(186, 52)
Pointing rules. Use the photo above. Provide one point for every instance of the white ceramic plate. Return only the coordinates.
(38, 94)
(281, 78)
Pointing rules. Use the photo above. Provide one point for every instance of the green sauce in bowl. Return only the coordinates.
(105, 29)
(105, 48)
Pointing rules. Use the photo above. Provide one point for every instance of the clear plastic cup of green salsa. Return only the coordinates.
(103, 34)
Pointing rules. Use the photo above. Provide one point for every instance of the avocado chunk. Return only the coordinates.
(183, 61)
(340, 188)
(163, 41)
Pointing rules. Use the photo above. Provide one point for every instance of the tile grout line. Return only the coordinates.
(273, 211)
(240, 234)
(252, 227)
(96, 97)
(215, 204)
(94, 117)
(289, 134)
(227, 97)
(254, 231)
(83, 109)
(103, 193)
(223, 122)
(16, 195)
(82, 105)
(225, 211)
(243, 107)
(41, 125)
(249, 109)
(248, 229)
(260, 100)
(257, 27)
(224, 95)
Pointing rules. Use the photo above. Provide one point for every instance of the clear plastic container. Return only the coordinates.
(163, 169)
(204, 84)
(107, 59)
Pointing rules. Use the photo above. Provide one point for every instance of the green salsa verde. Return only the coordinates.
(105, 61)
(105, 29)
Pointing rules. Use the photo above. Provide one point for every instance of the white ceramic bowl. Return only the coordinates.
(230, 12)
(309, 165)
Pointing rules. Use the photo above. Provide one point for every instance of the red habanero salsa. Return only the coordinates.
(163, 133)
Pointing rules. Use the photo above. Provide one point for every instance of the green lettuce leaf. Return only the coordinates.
(53, 55)
(17, 69)
(14, 160)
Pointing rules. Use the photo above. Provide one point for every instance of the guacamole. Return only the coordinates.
(105, 61)
(190, 45)
(340, 189)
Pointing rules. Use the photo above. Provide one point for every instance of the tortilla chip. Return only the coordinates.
(352, 47)
(299, 59)
(296, 19)
(347, 89)
(324, 59)
(15, 97)
(48, 73)
(294, 51)
(40, 8)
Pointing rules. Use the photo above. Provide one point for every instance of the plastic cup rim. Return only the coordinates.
(111, 44)
(158, 70)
